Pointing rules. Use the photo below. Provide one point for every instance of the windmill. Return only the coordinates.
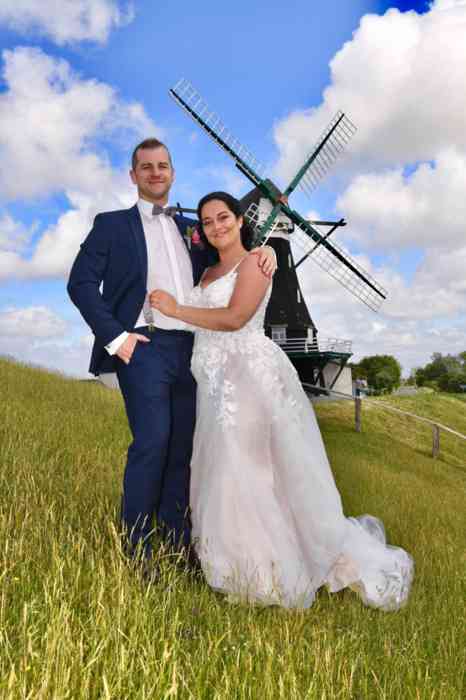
(267, 209)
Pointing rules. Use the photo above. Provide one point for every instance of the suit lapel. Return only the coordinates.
(140, 240)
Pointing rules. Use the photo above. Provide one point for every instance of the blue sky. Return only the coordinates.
(85, 87)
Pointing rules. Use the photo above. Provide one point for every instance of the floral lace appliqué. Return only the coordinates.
(214, 350)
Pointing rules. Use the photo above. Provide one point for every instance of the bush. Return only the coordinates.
(452, 383)
(444, 372)
(383, 372)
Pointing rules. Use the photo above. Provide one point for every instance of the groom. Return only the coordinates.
(131, 252)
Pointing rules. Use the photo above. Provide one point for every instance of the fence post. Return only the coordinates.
(435, 441)
(357, 413)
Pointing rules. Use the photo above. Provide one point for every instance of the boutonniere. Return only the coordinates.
(193, 238)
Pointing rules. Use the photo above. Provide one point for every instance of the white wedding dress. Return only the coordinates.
(267, 518)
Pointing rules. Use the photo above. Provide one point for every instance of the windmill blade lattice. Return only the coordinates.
(370, 292)
(193, 103)
(327, 255)
(326, 151)
(252, 215)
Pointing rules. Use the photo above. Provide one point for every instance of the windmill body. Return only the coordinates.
(320, 362)
(288, 322)
(287, 317)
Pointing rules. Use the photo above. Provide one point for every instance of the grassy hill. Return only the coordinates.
(76, 623)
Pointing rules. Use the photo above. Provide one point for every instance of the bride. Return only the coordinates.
(268, 523)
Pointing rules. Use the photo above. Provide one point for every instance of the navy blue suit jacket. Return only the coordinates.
(115, 254)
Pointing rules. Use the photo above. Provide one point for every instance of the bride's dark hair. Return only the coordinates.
(247, 234)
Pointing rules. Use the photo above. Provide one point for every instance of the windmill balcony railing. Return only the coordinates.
(304, 345)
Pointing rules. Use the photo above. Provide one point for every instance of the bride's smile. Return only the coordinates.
(221, 226)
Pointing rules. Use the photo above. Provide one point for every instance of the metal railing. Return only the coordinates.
(303, 345)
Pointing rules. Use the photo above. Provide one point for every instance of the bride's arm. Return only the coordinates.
(251, 286)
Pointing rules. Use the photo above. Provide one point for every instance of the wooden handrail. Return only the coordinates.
(425, 420)
(436, 427)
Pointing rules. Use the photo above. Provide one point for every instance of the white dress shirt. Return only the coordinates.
(168, 268)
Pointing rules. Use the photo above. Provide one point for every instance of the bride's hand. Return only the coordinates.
(163, 302)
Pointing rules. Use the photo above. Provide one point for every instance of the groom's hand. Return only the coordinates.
(266, 259)
(126, 349)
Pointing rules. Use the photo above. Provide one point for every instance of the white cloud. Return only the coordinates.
(414, 322)
(401, 80)
(52, 125)
(31, 322)
(59, 244)
(391, 211)
(436, 292)
(52, 128)
(446, 4)
(14, 236)
(68, 356)
(38, 336)
(66, 21)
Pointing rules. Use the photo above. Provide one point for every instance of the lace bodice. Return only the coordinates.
(218, 294)
(223, 360)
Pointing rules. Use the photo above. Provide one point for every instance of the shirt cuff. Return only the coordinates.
(112, 348)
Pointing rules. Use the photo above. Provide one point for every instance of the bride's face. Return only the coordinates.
(220, 224)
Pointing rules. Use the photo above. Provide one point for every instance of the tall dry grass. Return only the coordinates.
(75, 622)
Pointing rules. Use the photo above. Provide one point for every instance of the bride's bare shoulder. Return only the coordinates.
(251, 277)
(249, 266)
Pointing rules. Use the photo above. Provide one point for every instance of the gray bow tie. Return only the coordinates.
(168, 211)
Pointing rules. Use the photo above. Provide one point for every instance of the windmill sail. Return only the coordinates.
(324, 154)
(342, 267)
(326, 254)
(191, 101)
(255, 220)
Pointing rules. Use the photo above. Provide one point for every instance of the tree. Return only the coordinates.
(357, 372)
(383, 372)
(444, 372)
(453, 382)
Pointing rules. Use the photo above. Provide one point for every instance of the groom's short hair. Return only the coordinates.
(148, 143)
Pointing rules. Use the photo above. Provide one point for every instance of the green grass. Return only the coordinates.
(76, 623)
(446, 408)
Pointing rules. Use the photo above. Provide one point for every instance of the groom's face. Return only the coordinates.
(153, 174)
